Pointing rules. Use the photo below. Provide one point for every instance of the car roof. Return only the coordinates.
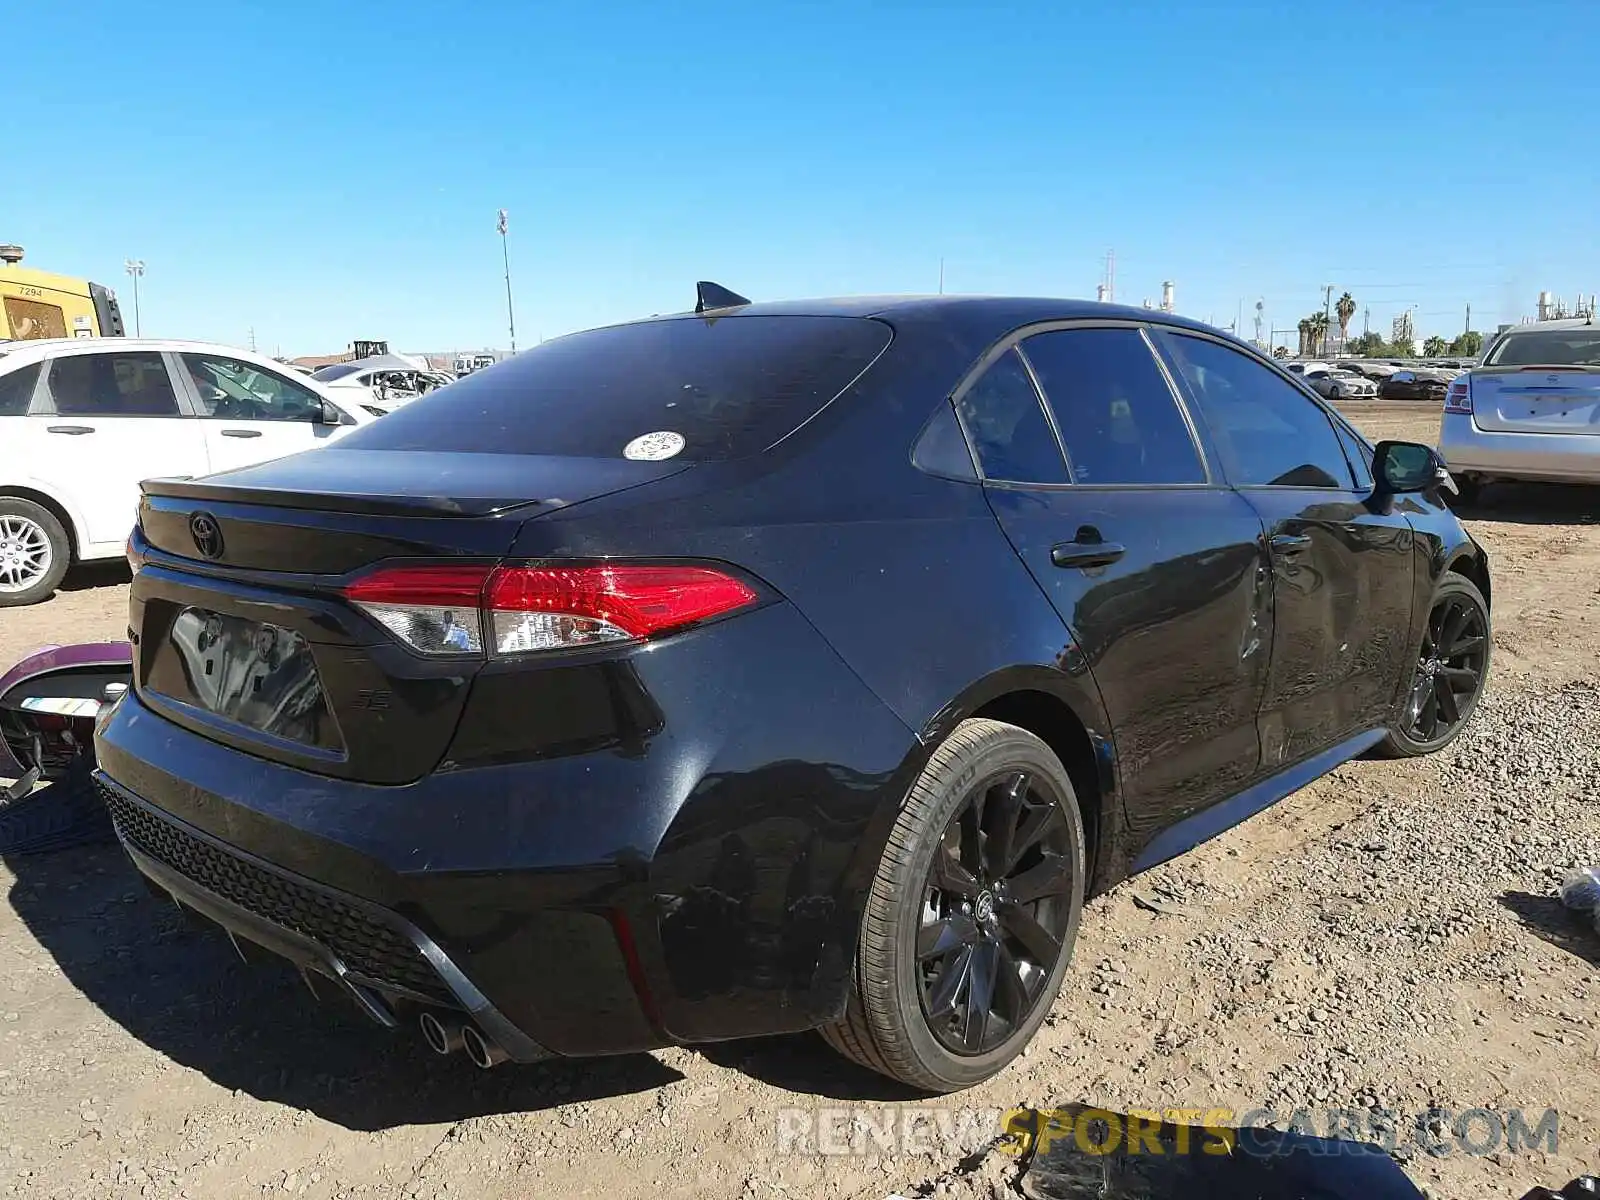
(1544, 326)
(975, 314)
(31, 348)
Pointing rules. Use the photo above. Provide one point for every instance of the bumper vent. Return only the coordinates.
(365, 945)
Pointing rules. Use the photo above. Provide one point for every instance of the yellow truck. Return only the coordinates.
(38, 304)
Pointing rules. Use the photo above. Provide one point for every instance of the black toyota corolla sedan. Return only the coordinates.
(773, 667)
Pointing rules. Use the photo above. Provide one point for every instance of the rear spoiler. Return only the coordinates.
(188, 488)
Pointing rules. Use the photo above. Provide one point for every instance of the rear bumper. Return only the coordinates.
(382, 962)
(702, 881)
(1551, 457)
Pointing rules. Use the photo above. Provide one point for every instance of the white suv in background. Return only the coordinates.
(84, 420)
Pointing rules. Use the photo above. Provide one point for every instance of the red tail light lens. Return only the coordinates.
(551, 608)
(1459, 398)
(434, 586)
(451, 610)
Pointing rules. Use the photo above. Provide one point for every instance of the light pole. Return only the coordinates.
(135, 267)
(505, 253)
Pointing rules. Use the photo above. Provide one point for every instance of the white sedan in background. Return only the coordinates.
(388, 380)
(84, 420)
(1337, 384)
(1529, 411)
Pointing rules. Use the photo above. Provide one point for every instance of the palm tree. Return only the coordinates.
(1305, 336)
(1319, 331)
(1435, 347)
(1345, 310)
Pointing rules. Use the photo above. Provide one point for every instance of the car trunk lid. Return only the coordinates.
(242, 634)
(1537, 399)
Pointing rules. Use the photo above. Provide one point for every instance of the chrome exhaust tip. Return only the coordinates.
(481, 1050)
(441, 1038)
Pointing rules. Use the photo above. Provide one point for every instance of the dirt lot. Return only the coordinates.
(1384, 937)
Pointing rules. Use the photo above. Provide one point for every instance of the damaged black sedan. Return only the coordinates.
(773, 667)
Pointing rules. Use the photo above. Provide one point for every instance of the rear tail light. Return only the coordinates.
(434, 610)
(466, 610)
(1459, 398)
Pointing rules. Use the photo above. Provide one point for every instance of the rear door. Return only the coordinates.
(1154, 565)
(251, 414)
(106, 420)
(1342, 568)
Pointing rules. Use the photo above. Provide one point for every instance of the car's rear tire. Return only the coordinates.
(34, 552)
(1451, 671)
(982, 880)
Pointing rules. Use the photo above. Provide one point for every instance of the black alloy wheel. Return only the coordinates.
(1451, 670)
(995, 913)
(969, 924)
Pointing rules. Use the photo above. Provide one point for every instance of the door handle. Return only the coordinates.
(1290, 544)
(72, 429)
(241, 433)
(1086, 550)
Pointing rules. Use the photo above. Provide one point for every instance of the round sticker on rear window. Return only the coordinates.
(654, 447)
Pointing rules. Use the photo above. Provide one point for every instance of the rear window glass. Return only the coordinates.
(1548, 348)
(695, 389)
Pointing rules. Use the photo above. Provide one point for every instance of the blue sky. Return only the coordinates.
(322, 172)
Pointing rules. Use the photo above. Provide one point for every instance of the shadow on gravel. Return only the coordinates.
(106, 573)
(182, 991)
(804, 1063)
(1547, 918)
(1533, 504)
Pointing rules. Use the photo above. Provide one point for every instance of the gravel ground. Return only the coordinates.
(1385, 938)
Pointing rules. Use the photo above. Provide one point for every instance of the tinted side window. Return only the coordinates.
(1117, 416)
(238, 391)
(1007, 426)
(131, 383)
(16, 390)
(942, 448)
(1267, 432)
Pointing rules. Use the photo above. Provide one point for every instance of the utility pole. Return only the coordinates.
(1468, 328)
(941, 275)
(252, 339)
(1366, 321)
(505, 253)
(135, 268)
(1111, 276)
(1261, 306)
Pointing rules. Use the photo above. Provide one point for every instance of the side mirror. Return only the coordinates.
(1401, 467)
(329, 414)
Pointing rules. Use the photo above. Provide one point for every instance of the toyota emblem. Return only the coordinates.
(207, 535)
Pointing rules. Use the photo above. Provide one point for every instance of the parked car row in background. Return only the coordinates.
(1352, 379)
